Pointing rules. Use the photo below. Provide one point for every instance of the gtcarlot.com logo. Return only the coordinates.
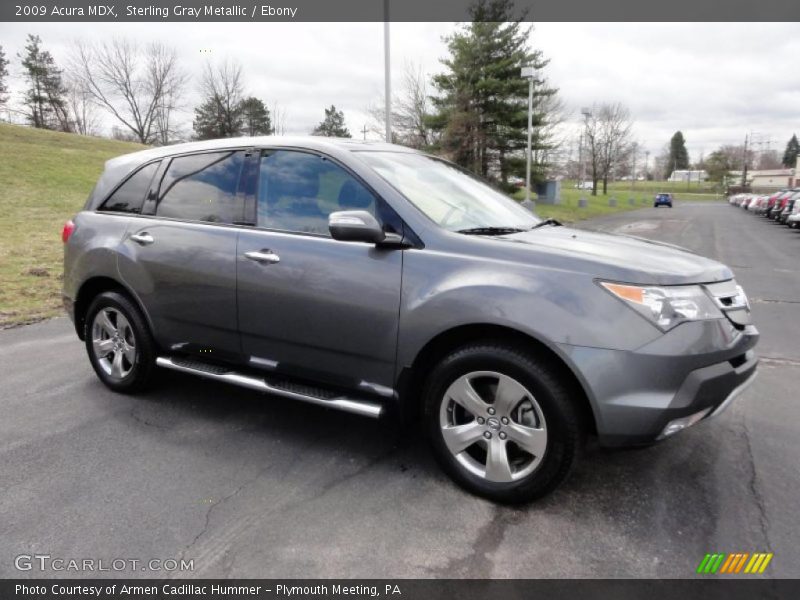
(734, 563)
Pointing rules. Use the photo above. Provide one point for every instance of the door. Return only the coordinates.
(311, 306)
(181, 261)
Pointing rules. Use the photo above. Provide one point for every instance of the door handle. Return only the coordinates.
(143, 238)
(263, 256)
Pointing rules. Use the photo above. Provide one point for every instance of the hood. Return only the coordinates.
(624, 258)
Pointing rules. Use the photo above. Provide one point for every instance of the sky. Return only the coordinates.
(715, 82)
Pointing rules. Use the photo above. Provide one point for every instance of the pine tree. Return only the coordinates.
(791, 153)
(678, 155)
(212, 120)
(3, 76)
(255, 117)
(45, 97)
(332, 125)
(483, 101)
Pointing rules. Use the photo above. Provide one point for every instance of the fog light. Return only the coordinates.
(677, 425)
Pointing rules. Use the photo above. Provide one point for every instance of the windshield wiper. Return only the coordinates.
(552, 222)
(489, 230)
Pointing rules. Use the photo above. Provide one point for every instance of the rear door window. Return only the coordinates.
(203, 187)
(129, 197)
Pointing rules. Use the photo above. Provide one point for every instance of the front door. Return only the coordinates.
(310, 306)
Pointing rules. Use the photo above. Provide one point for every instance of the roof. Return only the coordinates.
(322, 144)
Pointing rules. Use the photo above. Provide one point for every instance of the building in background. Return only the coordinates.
(688, 176)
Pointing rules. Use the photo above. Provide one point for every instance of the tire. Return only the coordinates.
(116, 324)
(537, 411)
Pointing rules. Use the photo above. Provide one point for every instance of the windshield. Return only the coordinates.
(449, 196)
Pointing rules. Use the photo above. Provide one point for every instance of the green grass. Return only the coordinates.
(568, 211)
(45, 177)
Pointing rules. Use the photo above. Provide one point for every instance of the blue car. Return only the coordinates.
(663, 200)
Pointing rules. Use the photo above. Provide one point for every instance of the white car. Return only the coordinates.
(793, 220)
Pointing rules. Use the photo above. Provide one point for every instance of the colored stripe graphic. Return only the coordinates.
(702, 566)
(766, 562)
(735, 562)
(727, 564)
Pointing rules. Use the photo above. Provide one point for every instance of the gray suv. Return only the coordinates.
(378, 280)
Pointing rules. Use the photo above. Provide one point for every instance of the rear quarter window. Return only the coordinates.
(129, 197)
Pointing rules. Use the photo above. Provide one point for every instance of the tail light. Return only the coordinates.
(69, 227)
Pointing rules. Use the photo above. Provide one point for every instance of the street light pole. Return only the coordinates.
(387, 72)
(529, 73)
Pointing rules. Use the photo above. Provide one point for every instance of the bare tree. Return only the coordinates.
(607, 130)
(220, 114)
(137, 85)
(279, 118)
(81, 107)
(411, 110)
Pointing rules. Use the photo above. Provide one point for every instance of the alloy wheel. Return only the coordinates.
(493, 426)
(113, 343)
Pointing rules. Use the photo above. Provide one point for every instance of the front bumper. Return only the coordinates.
(696, 368)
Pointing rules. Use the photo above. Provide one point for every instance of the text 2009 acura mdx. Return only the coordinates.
(381, 281)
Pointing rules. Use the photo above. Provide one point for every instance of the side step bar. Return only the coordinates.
(359, 407)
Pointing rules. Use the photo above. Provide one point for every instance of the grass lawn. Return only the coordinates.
(568, 211)
(45, 177)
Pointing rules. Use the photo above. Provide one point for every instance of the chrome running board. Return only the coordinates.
(351, 405)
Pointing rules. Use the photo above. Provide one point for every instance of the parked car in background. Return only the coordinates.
(378, 280)
(662, 199)
(788, 207)
(793, 220)
(774, 203)
(584, 185)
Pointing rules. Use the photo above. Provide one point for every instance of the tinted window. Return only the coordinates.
(202, 187)
(297, 191)
(129, 197)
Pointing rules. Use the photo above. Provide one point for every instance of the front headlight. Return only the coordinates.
(666, 306)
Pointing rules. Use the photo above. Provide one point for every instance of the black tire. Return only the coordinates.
(564, 429)
(139, 372)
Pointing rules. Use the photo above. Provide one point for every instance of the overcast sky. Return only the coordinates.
(715, 82)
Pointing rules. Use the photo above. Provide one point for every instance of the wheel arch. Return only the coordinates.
(94, 286)
(412, 379)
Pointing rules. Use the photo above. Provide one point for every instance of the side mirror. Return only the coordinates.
(355, 226)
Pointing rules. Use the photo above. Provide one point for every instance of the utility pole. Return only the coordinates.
(530, 73)
(387, 68)
(744, 167)
(364, 130)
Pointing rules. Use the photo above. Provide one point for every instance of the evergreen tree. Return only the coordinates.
(213, 120)
(678, 155)
(332, 125)
(3, 76)
(791, 153)
(255, 117)
(482, 106)
(45, 97)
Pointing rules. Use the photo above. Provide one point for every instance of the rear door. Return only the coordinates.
(180, 257)
(310, 306)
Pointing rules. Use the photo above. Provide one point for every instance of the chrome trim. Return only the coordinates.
(263, 362)
(263, 257)
(377, 388)
(359, 407)
(738, 390)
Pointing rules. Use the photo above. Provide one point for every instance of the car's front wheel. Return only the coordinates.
(119, 344)
(502, 423)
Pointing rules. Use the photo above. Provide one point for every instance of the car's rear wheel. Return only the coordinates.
(119, 344)
(501, 422)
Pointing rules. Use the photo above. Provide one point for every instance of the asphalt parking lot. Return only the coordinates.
(248, 485)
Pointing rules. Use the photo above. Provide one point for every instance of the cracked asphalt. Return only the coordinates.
(248, 485)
